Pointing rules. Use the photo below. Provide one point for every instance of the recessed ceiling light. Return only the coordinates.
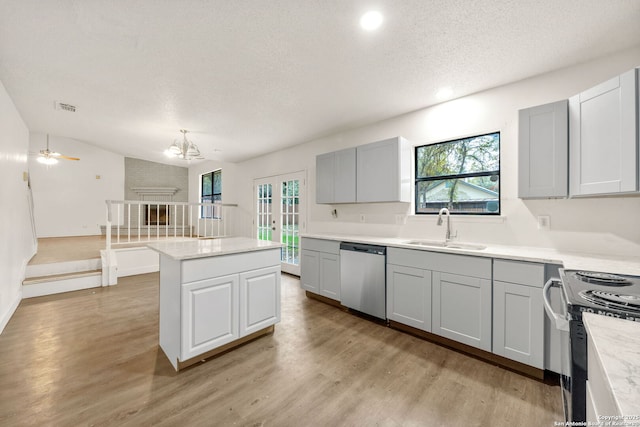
(371, 20)
(444, 93)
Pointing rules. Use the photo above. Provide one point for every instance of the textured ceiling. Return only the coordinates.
(248, 77)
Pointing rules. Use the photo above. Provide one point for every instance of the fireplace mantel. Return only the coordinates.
(155, 191)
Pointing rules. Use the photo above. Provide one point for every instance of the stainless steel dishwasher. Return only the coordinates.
(363, 278)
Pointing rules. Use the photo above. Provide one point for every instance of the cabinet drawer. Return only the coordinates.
(205, 268)
(520, 272)
(320, 245)
(447, 263)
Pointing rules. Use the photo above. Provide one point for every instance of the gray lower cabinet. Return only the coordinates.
(445, 294)
(320, 267)
(462, 309)
(409, 296)
(543, 151)
(518, 311)
(310, 271)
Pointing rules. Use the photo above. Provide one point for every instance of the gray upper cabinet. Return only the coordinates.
(603, 124)
(376, 172)
(543, 147)
(384, 171)
(336, 177)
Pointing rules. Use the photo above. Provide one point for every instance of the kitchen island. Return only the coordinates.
(216, 294)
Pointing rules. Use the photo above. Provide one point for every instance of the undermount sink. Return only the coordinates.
(452, 245)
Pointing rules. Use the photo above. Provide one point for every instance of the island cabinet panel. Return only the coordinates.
(210, 314)
(603, 129)
(462, 309)
(409, 296)
(205, 268)
(217, 300)
(259, 299)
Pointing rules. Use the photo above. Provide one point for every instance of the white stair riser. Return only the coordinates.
(63, 285)
(38, 270)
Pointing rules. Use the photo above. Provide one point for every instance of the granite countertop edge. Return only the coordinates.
(617, 345)
(570, 260)
(204, 248)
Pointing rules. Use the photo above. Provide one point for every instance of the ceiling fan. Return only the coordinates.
(49, 157)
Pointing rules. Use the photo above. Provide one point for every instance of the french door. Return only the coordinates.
(280, 215)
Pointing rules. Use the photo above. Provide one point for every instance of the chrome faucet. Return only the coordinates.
(445, 211)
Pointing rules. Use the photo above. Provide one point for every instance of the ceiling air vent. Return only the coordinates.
(65, 107)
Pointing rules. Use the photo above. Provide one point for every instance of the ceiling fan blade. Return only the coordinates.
(62, 156)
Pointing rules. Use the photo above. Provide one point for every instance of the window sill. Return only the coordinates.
(479, 219)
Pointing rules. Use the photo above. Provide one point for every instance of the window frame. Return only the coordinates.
(418, 180)
(213, 194)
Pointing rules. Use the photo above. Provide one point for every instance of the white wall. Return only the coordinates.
(233, 188)
(17, 240)
(68, 197)
(596, 225)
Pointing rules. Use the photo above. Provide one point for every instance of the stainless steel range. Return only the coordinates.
(606, 294)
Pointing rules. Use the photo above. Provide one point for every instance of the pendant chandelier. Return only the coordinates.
(183, 149)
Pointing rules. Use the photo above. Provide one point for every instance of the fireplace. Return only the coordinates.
(156, 215)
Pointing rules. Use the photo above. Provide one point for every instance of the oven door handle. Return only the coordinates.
(562, 324)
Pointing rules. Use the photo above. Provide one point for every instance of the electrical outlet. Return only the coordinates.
(362, 218)
(401, 219)
(544, 222)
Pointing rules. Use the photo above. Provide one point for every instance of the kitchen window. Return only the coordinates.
(210, 191)
(462, 175)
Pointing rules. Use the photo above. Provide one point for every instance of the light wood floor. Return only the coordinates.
(92, 358)
(59, 249)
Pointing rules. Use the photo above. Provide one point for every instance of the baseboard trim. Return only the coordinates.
(512, 365)
(225, 348)
(124, 272)
(12, 309)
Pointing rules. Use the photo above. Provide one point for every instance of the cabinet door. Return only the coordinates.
(462, 309)
(543, 151)
(325, 165)
(603, 138)
(310, 271)
(344, 185)
(330, 275)
(259, 299)
(209, 315)
(518, 323)
(336, 177)
(409, 296)
(382, 171)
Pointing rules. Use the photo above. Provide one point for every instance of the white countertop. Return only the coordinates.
(202, 248)
(574, 261)
(617, 344)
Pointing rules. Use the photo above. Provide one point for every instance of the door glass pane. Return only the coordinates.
(263, 222)
(289, 221)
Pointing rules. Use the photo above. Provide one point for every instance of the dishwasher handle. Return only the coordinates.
(359, 247)
(561, 323)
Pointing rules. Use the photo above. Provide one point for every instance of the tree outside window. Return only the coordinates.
(462, 175)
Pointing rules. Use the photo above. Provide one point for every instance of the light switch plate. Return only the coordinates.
(544, 222)
(362, 218)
